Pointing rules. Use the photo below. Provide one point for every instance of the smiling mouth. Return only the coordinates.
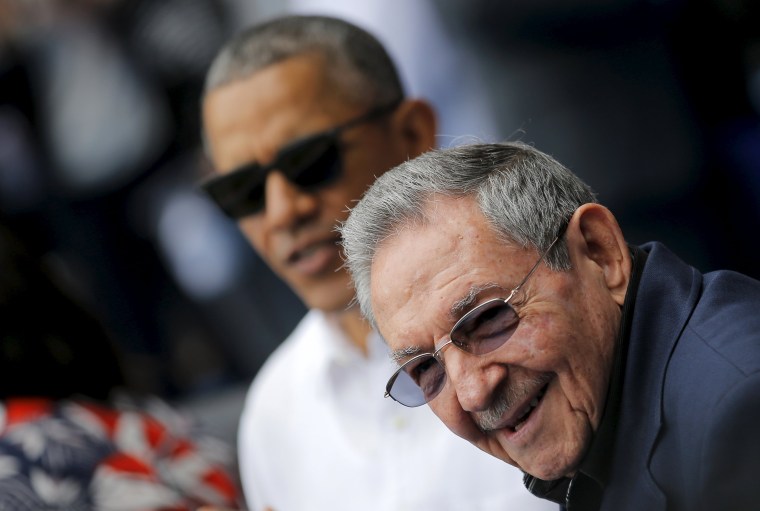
(523, 416)
(514, 406)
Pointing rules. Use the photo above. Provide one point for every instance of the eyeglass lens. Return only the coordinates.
(308, 163)
(480, 331)
(311, 162)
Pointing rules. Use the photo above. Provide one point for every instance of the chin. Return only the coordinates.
(552, 468)
(549, 473)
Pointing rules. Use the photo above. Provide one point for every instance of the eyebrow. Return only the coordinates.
(404, 353)
(466, 303)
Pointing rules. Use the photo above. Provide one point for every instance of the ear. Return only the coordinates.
(415, 124)
(594, 237)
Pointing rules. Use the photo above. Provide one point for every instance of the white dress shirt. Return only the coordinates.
(317, 434)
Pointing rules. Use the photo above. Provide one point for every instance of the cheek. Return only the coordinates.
(576, 330)
(355, 185)
(578, 348)
(560, 344)
(336, 201)
(538, 344)
(337, 198)
(253, 229)
(552, 343)
(371, 158)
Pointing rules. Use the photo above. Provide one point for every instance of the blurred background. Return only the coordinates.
(655, 103)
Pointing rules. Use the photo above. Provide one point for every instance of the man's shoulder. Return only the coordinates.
(697, 333)
(718, 348)
(727, 319)
(732, 293)
(719, 309)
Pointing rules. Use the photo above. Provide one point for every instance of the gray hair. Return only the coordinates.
(356, 61)
(526, 195)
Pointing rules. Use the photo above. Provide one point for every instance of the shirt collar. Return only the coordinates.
(338, 357)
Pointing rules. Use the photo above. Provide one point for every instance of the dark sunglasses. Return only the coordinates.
(310, 162)
(481, 330)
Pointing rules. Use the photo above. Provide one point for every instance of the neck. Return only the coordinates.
(355, 327)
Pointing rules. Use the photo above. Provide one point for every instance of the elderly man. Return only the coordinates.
(616, 376)
(300, 114)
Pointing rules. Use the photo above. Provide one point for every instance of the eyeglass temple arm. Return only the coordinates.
(370, 115)
(540, 259)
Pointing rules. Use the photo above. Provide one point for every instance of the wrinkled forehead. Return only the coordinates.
(399, 285)
(433, 230)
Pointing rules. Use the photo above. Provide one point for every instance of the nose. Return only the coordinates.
(474, 379)
(286, 204)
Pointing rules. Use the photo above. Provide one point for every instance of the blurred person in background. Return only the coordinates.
(300, 114)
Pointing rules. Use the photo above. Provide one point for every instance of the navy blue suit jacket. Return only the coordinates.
(688, 435)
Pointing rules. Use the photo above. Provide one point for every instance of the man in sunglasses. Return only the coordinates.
(301, 114)
(617, 376)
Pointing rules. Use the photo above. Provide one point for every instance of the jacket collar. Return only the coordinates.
(668, 292)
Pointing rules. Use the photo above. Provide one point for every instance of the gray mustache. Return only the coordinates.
(507, 397)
